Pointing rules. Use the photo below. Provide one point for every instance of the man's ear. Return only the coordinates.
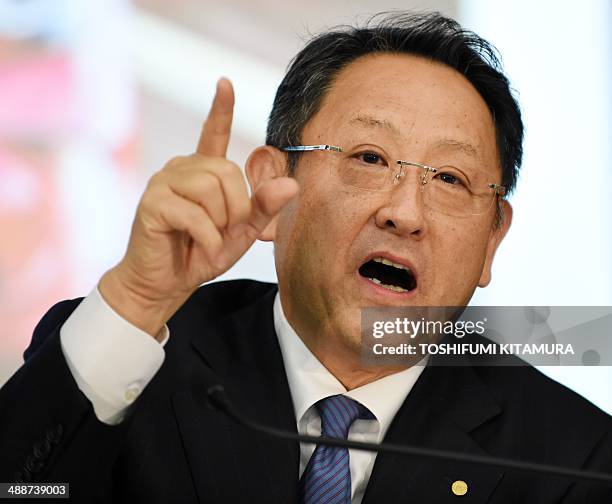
(265, 163)
(495, 238)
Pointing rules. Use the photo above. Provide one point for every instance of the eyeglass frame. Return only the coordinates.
(499, 190)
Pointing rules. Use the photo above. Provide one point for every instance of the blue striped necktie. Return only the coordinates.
(327, 477)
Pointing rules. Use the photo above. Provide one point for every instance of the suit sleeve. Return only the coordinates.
(48, 429)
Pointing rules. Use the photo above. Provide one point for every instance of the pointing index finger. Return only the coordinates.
(216, 129)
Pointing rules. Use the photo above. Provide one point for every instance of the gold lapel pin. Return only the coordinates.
(459, 487)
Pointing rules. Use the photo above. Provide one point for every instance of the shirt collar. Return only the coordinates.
(310, 381)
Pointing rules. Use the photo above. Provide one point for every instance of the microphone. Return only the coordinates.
(218, 399)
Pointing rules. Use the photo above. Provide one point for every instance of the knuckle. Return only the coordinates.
(154, 199)
(148, 201)
(227, 169)
(158, 185)
(155, 180)
(220, 128)
(195, 214)
(162, 206)
(208, 185)
(176, 162)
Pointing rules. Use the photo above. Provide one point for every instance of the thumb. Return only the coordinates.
(269, 199)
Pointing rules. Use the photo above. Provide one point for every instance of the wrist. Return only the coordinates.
(140, 310)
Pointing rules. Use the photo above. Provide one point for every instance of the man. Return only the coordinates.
(389, 151)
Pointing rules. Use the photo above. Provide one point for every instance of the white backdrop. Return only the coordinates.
(559, 250)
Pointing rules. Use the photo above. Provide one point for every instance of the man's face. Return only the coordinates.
(410, 109)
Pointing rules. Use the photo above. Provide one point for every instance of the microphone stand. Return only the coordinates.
(218, 399)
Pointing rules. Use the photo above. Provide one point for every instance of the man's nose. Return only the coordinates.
(403, 211)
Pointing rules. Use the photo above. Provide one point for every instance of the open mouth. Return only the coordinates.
(388, 274)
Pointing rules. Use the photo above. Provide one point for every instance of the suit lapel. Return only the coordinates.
(241, 352)
(445, 405)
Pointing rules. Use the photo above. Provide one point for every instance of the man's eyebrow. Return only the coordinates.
(465, 147)
(373, 122)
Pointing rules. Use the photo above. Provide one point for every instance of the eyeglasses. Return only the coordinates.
(449, 190)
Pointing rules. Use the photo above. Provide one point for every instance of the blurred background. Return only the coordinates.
(95, 96)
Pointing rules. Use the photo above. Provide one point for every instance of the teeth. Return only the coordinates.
(386, 262)
(394, 288)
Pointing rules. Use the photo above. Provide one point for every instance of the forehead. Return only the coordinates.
(410, 101)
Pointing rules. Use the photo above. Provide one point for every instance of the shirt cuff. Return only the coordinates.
(112, 361)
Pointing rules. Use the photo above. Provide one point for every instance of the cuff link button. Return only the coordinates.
(131, 394)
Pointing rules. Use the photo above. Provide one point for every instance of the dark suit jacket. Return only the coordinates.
(174, 448)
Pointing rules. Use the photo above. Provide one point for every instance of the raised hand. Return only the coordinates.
(194, 221)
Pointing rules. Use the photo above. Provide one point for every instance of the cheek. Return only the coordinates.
(344, 215)
(458, 257)
(316, 230)
(299, 234)
(313, 238)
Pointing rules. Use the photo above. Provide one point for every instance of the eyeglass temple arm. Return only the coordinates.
(303, 148)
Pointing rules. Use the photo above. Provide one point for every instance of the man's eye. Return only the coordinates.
(447, 178)
(370, 158)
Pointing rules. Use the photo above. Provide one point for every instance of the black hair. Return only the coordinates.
(429, 35)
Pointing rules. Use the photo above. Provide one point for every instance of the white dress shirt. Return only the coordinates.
(310, 381)
(112, 361)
